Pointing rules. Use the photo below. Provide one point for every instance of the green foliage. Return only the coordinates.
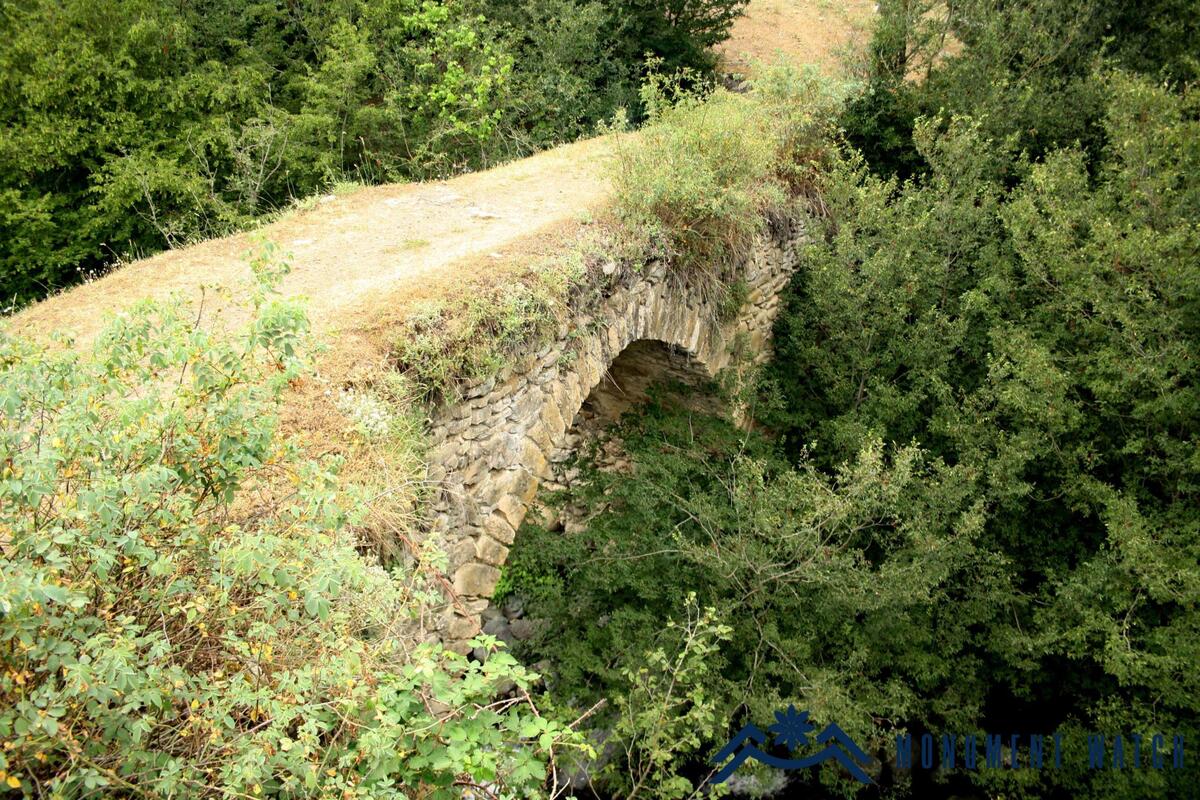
(580, 61)
(1026, 70)
(183, 607)
(85, 87)
(570, 75)
(1029, 561)
(1044, 339)
(667, 713)
(680, 32)
(831, 585)
(404, 89)
(133, 126)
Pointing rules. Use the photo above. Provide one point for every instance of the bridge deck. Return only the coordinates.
(374, 242)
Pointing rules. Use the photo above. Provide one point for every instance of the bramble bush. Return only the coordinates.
(184, 610)
(669, 713)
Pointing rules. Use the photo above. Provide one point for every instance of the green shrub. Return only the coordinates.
(1028, 561)
(183, 608)
(669, 713)
(566, 75)
(1042, 335)
(829, 586)
(1024, 70)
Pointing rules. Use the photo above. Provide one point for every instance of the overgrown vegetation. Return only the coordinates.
(129, 127)
(1025, 73)
(707, 171)
(447, 342)
(183, 607)
(189, 609)
(972, 505)
(969, 503)
(827, 585)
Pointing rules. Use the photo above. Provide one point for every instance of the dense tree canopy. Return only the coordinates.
(973, 502)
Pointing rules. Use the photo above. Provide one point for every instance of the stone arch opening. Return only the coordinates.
(494, 448)
(639, 366)
(643, 367)
(625, 386)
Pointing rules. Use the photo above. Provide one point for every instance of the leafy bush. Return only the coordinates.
(568, 74)
(183, 607)
(129, 127)
(1028, 562)
(1042, 337)
(681, 34)
(1025, 71)
(668, 713)
(829, 586)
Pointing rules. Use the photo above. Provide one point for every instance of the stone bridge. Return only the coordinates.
(493, 448)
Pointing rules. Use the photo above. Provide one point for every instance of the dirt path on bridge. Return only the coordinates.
(379, 244)
(374, 241)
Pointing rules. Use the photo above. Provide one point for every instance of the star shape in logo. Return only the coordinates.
(791, 728)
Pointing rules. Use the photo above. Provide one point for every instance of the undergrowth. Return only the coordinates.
(449, 341)
(707, 171)
(184, 608)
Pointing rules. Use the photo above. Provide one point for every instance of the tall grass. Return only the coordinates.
(706, 171)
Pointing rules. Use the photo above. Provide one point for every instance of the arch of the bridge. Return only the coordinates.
(492, 449)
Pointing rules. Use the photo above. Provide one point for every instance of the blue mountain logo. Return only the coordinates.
(791, 731)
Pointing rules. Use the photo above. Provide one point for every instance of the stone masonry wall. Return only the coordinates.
(491, 450)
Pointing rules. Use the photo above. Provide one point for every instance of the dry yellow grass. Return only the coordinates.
(815, 32)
